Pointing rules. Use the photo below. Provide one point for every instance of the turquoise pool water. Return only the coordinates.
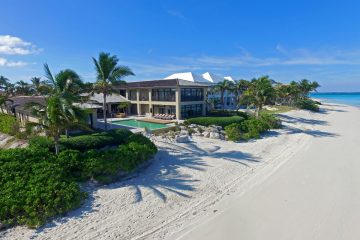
(139, 124)
(338, 97)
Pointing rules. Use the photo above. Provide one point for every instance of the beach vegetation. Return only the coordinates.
(221, 88)
(217, 121)
(36, 184)
(252, 127)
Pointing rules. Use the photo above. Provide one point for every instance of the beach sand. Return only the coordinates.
(315, 195)
(212, 189)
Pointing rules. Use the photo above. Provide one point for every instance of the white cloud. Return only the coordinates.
(176, 14)
(282, 57)
(5, 63)
(16, 46)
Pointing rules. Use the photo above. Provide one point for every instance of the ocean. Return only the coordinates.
(339, 97)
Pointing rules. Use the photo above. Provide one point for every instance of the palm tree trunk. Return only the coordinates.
(56, 141)
(222, 100)
(104, 111)
(257, 112)
(67, 133)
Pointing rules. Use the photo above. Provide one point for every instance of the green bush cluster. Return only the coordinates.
(34, 187)
(308, 104)
(218, 121)
(36, 184)
(227, 113)
(251, 128)
(8, 124)
(85, 142)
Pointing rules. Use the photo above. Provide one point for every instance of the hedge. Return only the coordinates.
(8, 124)
(227, 113)
(218, 121)
(85, 142)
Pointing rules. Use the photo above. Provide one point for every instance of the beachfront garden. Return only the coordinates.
(43, 180)
(37, 184)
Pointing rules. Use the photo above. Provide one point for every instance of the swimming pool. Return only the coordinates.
(139, 124)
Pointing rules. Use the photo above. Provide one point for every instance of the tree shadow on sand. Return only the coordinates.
(289, 119)
(162, 177)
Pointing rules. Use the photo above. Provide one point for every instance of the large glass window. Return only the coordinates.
(191, 110)
(192, 94)
(163, 94)
(132, 95)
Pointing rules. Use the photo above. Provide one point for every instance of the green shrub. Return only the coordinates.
(42, 142)
(252, 128)
(234, 132)
(36, 184)
(84, 142)
(139, 138)
(307, 104)
(34, 187)
(270, 120)
(218, 121)
(219, 113)
(8, 124)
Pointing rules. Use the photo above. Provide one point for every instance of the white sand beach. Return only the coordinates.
(299, 182)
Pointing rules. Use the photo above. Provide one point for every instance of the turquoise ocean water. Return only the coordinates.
(338, 97)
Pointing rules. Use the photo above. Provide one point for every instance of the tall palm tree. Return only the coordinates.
(59, 111)
(22, 88)
(3, 82)
(222, 87)
(108, 75)
(36, 85)
(259, 92)
(239, 87)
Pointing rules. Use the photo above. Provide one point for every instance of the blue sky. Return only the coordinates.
(288, 40)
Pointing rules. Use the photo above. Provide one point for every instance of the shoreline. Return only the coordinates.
(185, 185)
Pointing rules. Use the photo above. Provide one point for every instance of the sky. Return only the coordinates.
(287, 40)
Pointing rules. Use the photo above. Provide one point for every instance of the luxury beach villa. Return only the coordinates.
(148, 104)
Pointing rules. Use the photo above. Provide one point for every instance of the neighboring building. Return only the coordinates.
(210, 80)
(112, 101)
(182, 98)
(17, 107)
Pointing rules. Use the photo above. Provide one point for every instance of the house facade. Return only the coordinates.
(210, 80)
(171, 96)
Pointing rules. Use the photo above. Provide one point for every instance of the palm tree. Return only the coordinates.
(222, 87)
(59, 112)
(239, 87)
(108, 75)
(259, 92)
(36, 85)
(22, 88)
(3, 82)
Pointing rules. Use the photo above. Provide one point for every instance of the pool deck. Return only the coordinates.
(111, 125)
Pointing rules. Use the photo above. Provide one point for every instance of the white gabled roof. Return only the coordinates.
(188, 76)
(229, 78)
(204, 78)
(212, 77)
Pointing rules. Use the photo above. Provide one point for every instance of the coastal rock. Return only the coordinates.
(184, 133)
(182, 139)
(206, 134)
(193, 126)
(214, 135)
